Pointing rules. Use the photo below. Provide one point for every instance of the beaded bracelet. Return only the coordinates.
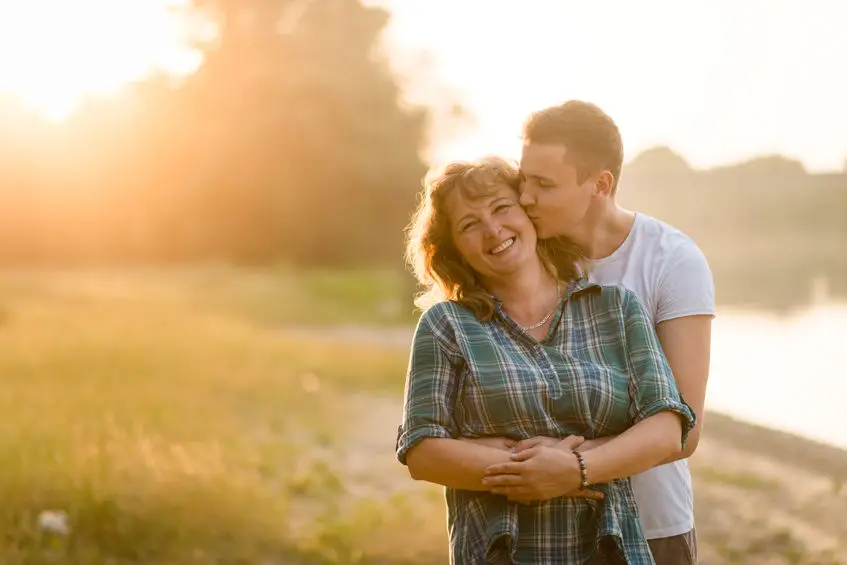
(583, 472)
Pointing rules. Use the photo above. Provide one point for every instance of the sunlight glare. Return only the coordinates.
(54, 53)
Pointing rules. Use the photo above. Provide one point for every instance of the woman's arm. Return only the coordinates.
(453, 463)
(426, 441)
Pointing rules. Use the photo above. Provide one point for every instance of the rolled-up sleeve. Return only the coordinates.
(652, 385)
(430, 391)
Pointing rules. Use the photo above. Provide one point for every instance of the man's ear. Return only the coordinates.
(603, 184)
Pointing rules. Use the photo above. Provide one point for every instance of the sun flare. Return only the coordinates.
(54, 53)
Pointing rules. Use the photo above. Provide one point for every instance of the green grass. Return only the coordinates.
(270, 297)
(172, 422)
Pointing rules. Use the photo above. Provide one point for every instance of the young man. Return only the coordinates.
(571, 163)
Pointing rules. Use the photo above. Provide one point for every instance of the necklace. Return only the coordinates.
(547, 317)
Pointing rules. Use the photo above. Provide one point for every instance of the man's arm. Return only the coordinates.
(686, 342)
(684, 312)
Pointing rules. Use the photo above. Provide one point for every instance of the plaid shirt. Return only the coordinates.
(598, 372)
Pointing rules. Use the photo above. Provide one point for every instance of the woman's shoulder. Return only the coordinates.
(603, 292)
(617, 292)
(447, 324)
(446, 312)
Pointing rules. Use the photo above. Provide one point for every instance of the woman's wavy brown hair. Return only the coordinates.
(432, 255)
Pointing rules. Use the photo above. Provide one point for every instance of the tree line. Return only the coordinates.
(292, 144)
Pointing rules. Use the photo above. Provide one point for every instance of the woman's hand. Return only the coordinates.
(537, 473)
(569, 443)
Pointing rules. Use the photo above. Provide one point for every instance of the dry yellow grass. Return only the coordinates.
(184, 418)
(169, 430)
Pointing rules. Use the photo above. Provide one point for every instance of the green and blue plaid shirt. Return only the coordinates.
(599, 370)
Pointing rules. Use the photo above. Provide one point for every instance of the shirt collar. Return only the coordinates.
(574, 287)
(579, 285)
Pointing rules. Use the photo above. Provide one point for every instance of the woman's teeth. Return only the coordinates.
(503, 246)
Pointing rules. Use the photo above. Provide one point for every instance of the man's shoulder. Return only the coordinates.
(682, 281)
(668, 244)
(656, 229)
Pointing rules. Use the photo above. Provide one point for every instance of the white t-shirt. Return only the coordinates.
(671, 277)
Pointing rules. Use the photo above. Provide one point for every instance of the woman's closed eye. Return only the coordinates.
(467, 226)
(502, 207)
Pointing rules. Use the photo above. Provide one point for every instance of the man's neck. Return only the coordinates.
(605, 230)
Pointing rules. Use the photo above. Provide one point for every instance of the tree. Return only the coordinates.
(305, 148)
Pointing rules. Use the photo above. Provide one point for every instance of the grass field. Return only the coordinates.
(182, 418)
(165, 414)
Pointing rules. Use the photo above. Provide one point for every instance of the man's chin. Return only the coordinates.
(542, 233)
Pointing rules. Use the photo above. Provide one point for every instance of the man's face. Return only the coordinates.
(551, 194)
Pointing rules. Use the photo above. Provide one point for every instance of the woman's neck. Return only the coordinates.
(527, 295)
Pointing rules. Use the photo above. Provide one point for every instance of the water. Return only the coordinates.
(783, 372)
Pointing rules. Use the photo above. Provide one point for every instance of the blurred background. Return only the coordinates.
(204, 312)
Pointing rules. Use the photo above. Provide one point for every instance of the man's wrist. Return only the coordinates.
(584, 482)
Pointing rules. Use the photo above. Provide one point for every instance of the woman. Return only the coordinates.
(515, 344)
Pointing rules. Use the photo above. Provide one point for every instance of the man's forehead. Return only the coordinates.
(539, 156)
(543, 151)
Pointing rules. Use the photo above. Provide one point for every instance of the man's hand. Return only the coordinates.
(503, 443)
(537, 473)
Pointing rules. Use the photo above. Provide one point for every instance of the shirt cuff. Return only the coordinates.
(680, 407)
(409, 438)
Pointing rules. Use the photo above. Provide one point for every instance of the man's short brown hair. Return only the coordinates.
(591, 137)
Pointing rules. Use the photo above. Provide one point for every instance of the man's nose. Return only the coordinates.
(527, 198)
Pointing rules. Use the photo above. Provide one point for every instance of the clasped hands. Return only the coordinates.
(541, 468)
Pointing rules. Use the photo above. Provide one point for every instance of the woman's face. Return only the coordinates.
(492, 232)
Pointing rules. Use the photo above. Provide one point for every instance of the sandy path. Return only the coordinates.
(751, 507)
(761, 497)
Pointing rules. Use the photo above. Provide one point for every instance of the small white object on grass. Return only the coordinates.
(54, 521)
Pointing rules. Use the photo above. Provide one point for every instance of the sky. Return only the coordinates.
(719, 81)
(54, 52)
